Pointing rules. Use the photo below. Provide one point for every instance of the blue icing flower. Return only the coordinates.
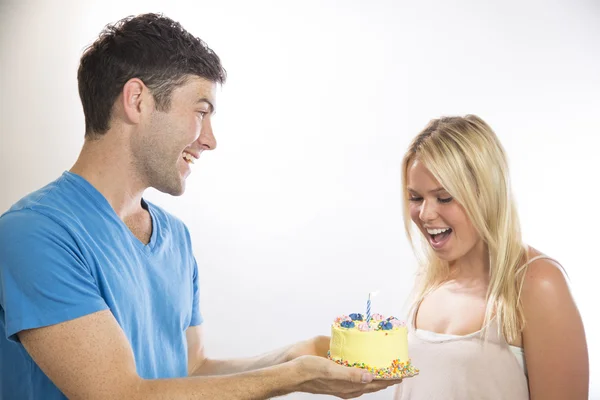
(347, 324)
(385, 325)
(356, 317)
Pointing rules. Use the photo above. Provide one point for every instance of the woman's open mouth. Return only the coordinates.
(438, 237)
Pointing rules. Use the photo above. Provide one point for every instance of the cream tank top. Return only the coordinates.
(463, 367)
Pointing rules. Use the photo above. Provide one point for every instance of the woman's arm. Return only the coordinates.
(553, 338)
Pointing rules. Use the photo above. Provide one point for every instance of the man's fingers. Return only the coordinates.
(372, 387)
(360, 376)
(362, 381)
(354, 375)
(357, 375)
(377, 385)
(366, 377)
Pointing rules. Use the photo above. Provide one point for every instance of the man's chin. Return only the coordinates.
(177, 191)
(173, 190)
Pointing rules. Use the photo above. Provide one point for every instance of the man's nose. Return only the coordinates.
(207, 138)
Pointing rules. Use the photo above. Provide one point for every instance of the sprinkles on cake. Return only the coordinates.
(397, 370)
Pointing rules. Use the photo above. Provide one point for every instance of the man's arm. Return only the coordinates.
(90, 358)
(199, 364)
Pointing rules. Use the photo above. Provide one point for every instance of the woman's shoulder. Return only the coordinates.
(553, 335)
(540, 268)
(544, 280)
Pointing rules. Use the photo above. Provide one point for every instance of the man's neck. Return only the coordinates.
(106, 164)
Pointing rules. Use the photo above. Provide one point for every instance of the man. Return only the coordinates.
(98, 287)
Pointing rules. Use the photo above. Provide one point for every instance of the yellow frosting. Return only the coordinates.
(374, 348)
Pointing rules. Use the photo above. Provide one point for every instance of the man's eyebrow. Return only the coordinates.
(210, 104)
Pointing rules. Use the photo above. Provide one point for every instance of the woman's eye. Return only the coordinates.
(415, 199)
(445, 200)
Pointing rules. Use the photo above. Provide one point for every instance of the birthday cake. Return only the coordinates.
(377, 344)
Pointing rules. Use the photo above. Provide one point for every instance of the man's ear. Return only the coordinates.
(134, 99)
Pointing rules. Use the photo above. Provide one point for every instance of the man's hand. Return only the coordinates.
(322, 376)
(317, 346)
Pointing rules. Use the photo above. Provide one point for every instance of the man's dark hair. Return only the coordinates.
(150, 47)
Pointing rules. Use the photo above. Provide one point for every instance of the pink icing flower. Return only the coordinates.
(396, 323)
(377, 317)
(364, 327)
(342, 319)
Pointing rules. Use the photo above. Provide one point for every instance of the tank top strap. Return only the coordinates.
(540, 257)
(412, 315)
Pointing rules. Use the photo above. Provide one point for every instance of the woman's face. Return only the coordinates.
(442, 221)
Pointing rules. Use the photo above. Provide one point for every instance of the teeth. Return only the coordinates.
(436, 231)
(189, 158)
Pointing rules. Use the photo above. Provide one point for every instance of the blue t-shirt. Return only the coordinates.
(64, 253)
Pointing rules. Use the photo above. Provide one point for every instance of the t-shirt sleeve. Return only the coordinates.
(44, 279)
(196, 315)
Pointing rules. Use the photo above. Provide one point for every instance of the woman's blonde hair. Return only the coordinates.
(466, 157)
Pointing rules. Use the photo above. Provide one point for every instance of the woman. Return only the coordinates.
(492, 317)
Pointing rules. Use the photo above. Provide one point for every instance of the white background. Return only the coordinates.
(297, 214)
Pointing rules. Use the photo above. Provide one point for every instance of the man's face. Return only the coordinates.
(169, 142)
